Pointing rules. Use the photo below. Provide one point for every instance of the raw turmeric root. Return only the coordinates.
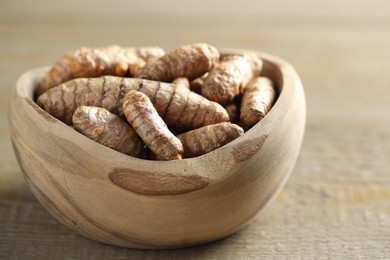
(188, 91)
(95, 62)
(230, 77)
(62, 100)
(108, 129)
(180, 108)
(183, 82)
(257, 100)
(208, 138)
(190, 61)
(145, 120)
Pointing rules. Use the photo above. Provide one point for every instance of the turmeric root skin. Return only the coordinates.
(145, 120)
(257, 100)
(108, 129)
(180, 108)
(183, 82)
(95, 62)
(229, 78)
(189, 61)
(208, 138)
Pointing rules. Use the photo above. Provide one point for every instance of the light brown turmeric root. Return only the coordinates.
(208, 138)
(180, 108)
(108, 129)
(145, 120)
(183, 82)
(257, 100)
(95, 62)
(190, 61)
(62, 100)
(230, 77)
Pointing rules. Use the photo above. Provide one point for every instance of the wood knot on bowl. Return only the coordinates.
(246, 149)
(156, 184)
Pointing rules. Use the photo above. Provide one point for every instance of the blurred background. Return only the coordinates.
(336, 203)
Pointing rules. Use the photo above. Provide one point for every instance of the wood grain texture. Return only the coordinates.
(336, 203)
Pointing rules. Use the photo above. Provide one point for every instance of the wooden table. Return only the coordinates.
(336, 204)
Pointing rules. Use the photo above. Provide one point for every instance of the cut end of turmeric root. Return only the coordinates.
(178, 157)
(150, 104)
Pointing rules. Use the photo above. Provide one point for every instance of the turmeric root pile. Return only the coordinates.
(149, 104)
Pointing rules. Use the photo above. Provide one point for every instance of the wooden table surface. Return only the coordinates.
(336, 205)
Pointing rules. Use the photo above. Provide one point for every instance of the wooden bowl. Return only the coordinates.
(120, 200)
